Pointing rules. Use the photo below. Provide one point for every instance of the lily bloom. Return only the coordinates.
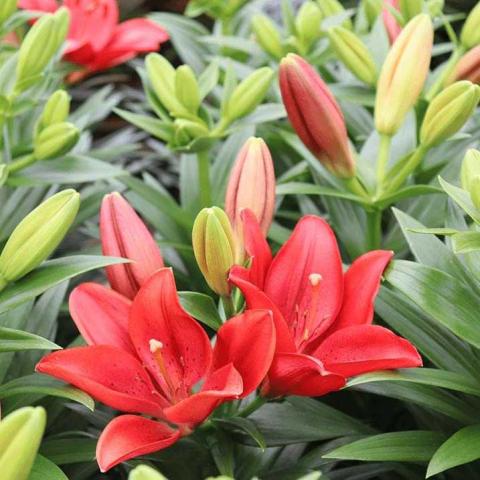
(322, 316)
(96, 40)
(149, 358)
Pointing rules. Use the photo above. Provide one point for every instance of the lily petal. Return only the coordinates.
(129, 436)
(156, 314)
(248, 342)
(101, 315)
(223, 384)
(298, 374)
(366, 348)
(110, 375)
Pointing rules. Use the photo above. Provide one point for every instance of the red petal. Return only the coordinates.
(312, 248)
(110, 375)
(39, 5)
(101, 315)
(256, 299)
(157, 314)
(130, 436)
(248, 342)
(124, 235)
(223, 384)
(362, 282)
(297, 374)
(366, 348)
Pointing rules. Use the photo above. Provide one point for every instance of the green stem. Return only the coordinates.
(21, 163)
(382, 161)
(204, 179)
(228, 307)
(354, 185)
(252, 406)
(374, 229)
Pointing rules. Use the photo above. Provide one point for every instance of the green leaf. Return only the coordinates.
(154, 126)
(299, 188)
(462, 447)
(434, 231)
(245, 425)
(407, 192)
(466, 242)
(64, 451)
(44, 469)
(44, 385)
(440, 295)
(409, 446)
(462, 199)
(208, 80)
(48, 275)
(202, 307)
(16, 340)
(354, 93)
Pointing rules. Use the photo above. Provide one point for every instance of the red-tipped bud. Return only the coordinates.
(251, 185)
(315, 115)
(123, 234)
(389, 21)
(468, 67)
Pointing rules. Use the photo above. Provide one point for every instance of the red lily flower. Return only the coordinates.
(322, 316)
(96, 39)
(148, 357)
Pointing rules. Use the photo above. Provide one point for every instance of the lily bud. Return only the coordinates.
(354, 54)
(144, 472)
(435, 7)
(214, 248)
(410, 8)
(372, 9)
(390, 23)
(470, 35)
(251, 185)
(307, 23)
(267, 35)
(6, 9)
(448, 112)
(40, 45)
(248, 94)
(403, 74)
(123, 234)
(56, 110)
(161, 76)
(330, 8)
(186, 88)
(468, 67)
(38, 235)
(315, 115)
(55, 140)
(20, 435)
(470, 175)
(188, 130)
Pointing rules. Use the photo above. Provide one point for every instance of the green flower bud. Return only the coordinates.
(144, 472)
(410, 8)
(38, 235)
(214, 247)
(161, 75)
(188, 130)
(354, 54)
(267, 35)
(307, 23)
(40, 45)
(470, 175)
(55, 141)
(186, 88)
(470, 35)
(6, 9)
(248, 94)
(435, 7)
(448, 112)
(372, 9)
(20, 435)
(330, 8)
(56, 110)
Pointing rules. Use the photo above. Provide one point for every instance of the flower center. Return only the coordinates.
(156, 348)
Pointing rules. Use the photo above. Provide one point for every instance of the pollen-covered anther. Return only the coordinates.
(315, 279)
(155, 345)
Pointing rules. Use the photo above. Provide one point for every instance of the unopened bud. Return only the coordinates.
(144, 472)
(38, 235)
(20, 435)
(410, 8)
(470, 35)
(470, 175)
(6, 9)
(468, 67)
(448, 112)
(354, 54)
(56, 110)
(186, 88)
(307, 23)
(188, 130)
(214, 247)
(435, 7)
(267, 35)
(330, 8)
(248, 94)
(55, 141)
(372, 9)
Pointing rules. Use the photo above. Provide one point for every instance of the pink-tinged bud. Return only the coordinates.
(123, 234)
(251, 185)
(315, 115)
(468, 67)
(389, 21)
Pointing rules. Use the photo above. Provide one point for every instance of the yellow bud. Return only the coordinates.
(354, 54)
(20, 435)
(448, 112)
(470, 35)
(435, 7)
(214, 247)
(55, 140)
(372, 9)
(186, 88)
(410, 8)
(403, 74)
(144, 472)
(38, 235)
(330, 8)
(7, 8)
(267, 35)
(470, 169)
(56, 109)
(307, 23)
